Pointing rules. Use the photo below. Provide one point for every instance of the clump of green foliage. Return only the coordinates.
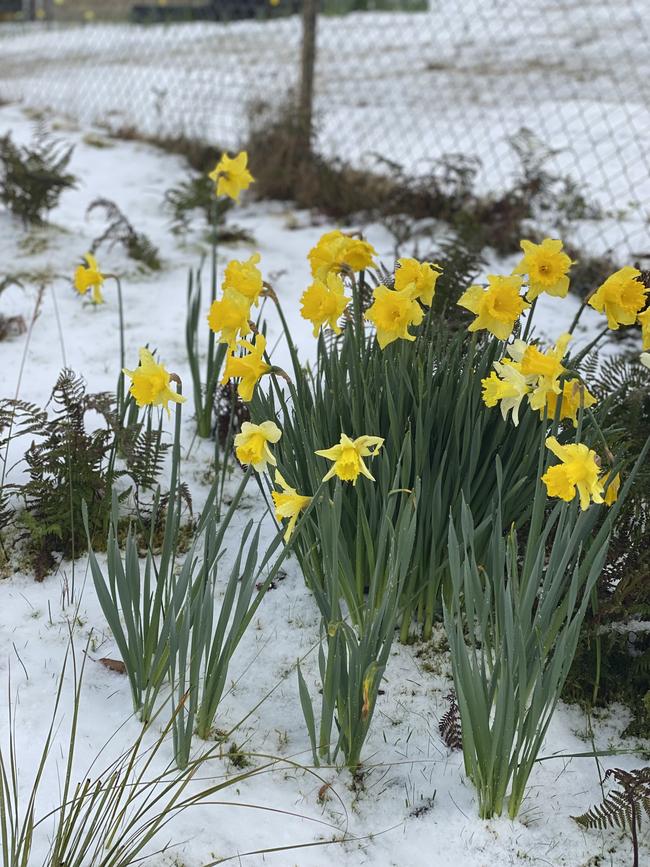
(613, 658)
(194, 197)
(33, 177)
(120, 231)
(67, 464)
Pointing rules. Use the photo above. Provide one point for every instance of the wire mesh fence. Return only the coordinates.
(403, 85)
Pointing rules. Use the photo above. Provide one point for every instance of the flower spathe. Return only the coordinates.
(497, 306)
(230, 317)
(506, 386)
(89, 276)
(546, 267)
(231, 175)
(578, 473)
(621, 297)
(245, 278)
(323, 303)
(150, 383)
(419, 277)
(347, 456)
(336, 252)
(252, 444)
(612, 489)
(392, 313)
(248, 368)
(288, 504)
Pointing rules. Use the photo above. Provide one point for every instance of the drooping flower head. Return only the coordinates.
(546, 267)
(323, 303)
(574, 394)
(150, 383)
(336, 252)
(543, 368)
(348, 456)
(420, 277)
(288, 503)
(579, 472)
(392, 313)
(506, 386)
(621, 297)
(89, 276)
(497, 307)
(230, 317)
(244, 278)
(248, 368)
(252, 444)
(231, 175)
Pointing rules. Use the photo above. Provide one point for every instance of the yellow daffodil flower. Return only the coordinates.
(507, 386)
(323, 303)
(612, 489)
(230, 317)
(249, 369)
(546, 267)
(420, 277)
(579, 471)
(252, 444)
(545, 368)
(150, 383)
(572, 393)
(497, 307)
(231, 175)
(392, 313)
(644, 322)
(348, 457)
(244, 278)
(288, 504)
(89, 276)
(621, 297)
(336, 251)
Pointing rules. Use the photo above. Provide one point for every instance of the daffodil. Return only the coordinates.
(336, 252)
(348, 456)
(252, 444)
(323, 303)
(150, 383)
(392, 313)
(420, 277)
(89, 276)
(578, 473)
(229, 317)
(621, 297)
(574, 394)
(231, 175)
(545, 368)
(244, 278)
(612, 489)
(497, 307)
(546, 267)
(288, 504)
(644, 322)
(249, 369)
(507, 386)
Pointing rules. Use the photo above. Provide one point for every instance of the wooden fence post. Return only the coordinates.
(307, 69)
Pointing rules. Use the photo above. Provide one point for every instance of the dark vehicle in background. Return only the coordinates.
(216, 10)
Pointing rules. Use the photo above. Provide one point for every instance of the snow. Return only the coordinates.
(407, 87)
(408, 765)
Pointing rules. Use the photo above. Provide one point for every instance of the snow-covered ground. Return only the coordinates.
(459, 78)
(409, 766)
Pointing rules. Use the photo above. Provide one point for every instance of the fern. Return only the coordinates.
(32, 178)
(137, 245)
(449, 725)
(622, 807)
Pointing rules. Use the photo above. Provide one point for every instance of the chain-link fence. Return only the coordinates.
(406, 84)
